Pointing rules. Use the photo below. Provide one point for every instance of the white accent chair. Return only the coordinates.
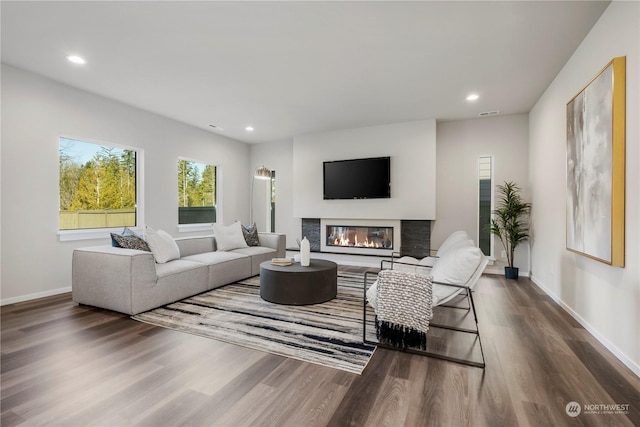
(455, 270)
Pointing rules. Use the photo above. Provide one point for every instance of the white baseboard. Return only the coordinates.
(635, 368)
(37, 295)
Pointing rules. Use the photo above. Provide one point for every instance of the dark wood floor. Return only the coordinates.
(70, 365)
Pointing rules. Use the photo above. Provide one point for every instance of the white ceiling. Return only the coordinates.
(291, 68)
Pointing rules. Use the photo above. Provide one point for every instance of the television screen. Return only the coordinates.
(358, 179)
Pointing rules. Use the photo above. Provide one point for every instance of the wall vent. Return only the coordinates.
(489, 113)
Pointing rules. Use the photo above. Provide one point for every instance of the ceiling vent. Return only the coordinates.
(489, 113)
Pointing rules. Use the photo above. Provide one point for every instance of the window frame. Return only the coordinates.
(102, 233)
(491, 255)
(201, 226)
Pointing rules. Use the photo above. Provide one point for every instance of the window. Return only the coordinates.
(196, 192)
(485, 204)
(97, 185)
(272, 190)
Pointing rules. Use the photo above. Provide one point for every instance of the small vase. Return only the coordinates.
(511, 272)
(305, 256)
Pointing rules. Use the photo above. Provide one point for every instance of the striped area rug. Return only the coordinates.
(328, 334)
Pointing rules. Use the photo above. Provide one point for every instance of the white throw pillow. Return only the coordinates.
(457, 266)
(459, 244)
(453, 240)
(229, 237)
(428, 261)
(406, 264)
(424, 265)
(372, 294)
(162, 245)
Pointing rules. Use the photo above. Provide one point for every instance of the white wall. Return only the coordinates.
(606, 300)
(460, 144)
(277, 156)
(35, 112)
(412, 148)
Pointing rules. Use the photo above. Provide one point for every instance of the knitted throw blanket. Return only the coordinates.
(403, 308)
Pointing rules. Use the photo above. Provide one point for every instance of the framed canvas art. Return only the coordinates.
(596, 166)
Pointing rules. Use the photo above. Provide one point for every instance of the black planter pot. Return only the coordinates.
(511, 272)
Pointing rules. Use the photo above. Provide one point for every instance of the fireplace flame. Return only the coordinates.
(342, 241)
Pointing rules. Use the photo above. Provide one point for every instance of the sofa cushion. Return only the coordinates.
(257, 254)
(229, 237)
(224, 267)
(162, 245)
(211, 258)
(179, 279)
(176, 266)
(254, 250)
(195, 245)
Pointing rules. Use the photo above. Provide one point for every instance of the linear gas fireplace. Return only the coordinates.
(376, 237)
(379, 237)
(360, 236)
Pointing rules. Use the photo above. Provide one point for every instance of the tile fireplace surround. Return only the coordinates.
(373, 237)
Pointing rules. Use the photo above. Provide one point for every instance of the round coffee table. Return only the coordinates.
(297, 285)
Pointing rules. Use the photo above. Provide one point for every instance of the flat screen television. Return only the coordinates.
(357, 179)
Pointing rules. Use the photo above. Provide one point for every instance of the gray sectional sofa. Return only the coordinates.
(130, 281)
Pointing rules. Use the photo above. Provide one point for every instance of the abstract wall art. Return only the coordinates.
(596, 166)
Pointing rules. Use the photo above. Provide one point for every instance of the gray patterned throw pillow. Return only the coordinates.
(131, 242)
(250, 233)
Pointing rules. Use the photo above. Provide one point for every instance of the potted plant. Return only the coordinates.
(509, 223)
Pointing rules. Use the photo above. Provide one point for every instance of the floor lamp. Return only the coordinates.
(261, 173)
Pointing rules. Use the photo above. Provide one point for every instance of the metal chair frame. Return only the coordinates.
(468, 292)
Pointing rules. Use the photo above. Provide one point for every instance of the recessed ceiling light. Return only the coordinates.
(76, 59)
(249, 128)
(472, 97)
